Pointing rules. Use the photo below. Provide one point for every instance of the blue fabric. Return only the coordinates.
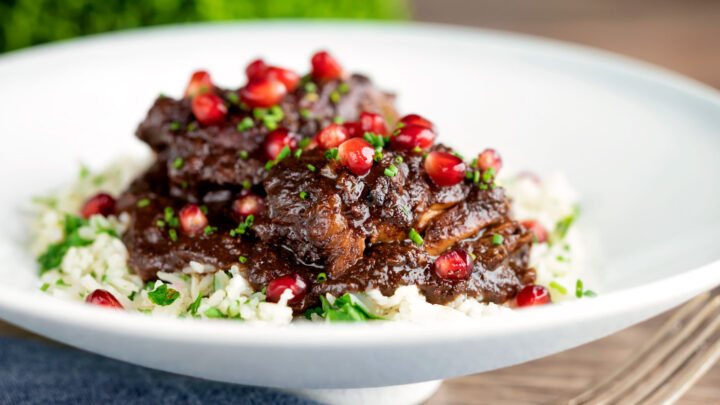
(38, 373)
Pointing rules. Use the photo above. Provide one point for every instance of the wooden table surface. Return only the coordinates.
(679, 35)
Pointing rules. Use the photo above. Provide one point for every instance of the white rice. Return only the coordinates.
(228, 294)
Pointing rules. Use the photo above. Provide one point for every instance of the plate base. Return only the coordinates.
(409, 394)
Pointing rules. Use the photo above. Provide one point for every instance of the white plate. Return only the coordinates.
(639, 143)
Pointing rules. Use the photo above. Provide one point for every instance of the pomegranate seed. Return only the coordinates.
(256, 70)
(209, 109)
(102, 204)
(247, 204)
(276, 141)
(533, 295)
(263, 93)
(414, 119)
(332, 136)
(489, 158)
(445, 169)
(454, 265)
(371, 122)
(325, 67)
(353, 129)
(293, 282)
(538, 230)
(357, 155)
(192, 219)
(287, 77)
(410, 137)
(200, 82)
(104, 299)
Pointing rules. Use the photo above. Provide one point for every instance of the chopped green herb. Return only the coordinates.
(298, 153)
(174, 126)
(398, 159)
(311, 167)
(143, 203)
(184, 184)
(269, 124)
(415, 237)
(469, 174)
(391, 171)
(472, 255)
(488, 175)
(482, 186)
(497, 239)
(331, 153)
(204, 209)
(417, 149)
(169, 212)
(346, 308)
(45, 287)
(195, 305)
(338, 120)
(400, 125)
(459, 155)
(376, 141)
(305, 113)
(562, 227)
(284, 152)
(303, 195)
(245, 124)
(562, 290)
(214, 313)
(378, 156)
(404, 208)
(243, 226)
(209, 230)
(178, 163)
(246, 184)
(62, 283)
(132, 295)
(233, 98)
(474, 162)
(310, 87)
(343, 88)
(321, 278)
(191, 127)
(55, 253)
(335, 97)
(264, 290)
(242, 259)
(561, 258)
(163, 295)
(476, 177)
(304, 143)
(173, 235)
(579, 292)
(317, 310)
(243, 154)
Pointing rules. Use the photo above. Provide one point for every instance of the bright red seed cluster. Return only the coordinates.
(357, 155)
(209, 109)
(292, 282)
(454, 265)
(325, 67)
(247, 204)
(277, 140)
(445, 169)
(104, 299)
(192, 219)
(532, 295)
(100, 204)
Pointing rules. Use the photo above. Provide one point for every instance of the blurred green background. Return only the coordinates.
(28, 22)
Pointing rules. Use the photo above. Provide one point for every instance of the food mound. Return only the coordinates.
(311, 191)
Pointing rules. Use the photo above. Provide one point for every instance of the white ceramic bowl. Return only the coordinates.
(639, 143)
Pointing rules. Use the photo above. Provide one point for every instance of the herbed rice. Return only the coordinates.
(227, 294)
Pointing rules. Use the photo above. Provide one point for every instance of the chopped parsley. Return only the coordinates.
(335, 97)
(163, 295)
(346, 308)
(132, 295)
(321, 278)
(245, 124)
(269, 116)
(173, 235)
(304, 142)
(311, 167)
(243, 154)
(562, 226)
(55, 253)
(391, 171)
(178, 163)
(305, 113)
(415, 237)
(143, 203)
(497, 239)
(562, 290)
(243, 226)
(174, 126)
(331, 154)
(579, 292)
(303, 195)
(488, 175)
(242, 259)
(284, 152)
(45, 287)
(204, 209)
(298, 153)
(246, 184)
(376, 141)
(209, 230)
(62, 283)
(476, 177)
(233, 98)
(191, 127)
